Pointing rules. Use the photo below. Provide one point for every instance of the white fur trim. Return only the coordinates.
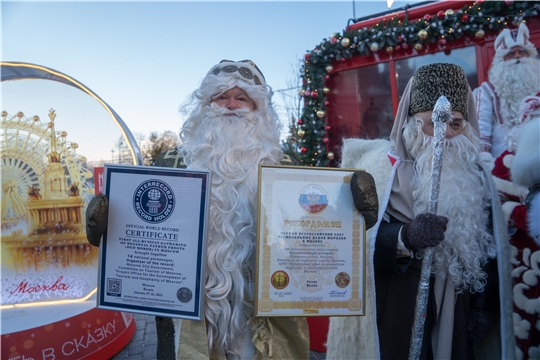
(510, 188)
(507, 160)
(488, 160)
(526, 165)
(534, 218)
(508, 207)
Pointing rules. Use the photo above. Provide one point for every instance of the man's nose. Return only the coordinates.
(232, 104)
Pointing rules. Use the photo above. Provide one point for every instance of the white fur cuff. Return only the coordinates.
(508, 207)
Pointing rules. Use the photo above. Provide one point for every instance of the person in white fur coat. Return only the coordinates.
(470, 307)
(513, 75)
(524, 224)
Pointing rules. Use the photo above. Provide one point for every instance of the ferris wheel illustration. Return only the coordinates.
(28, 145)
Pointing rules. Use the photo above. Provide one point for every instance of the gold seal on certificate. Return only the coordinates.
(310, 243)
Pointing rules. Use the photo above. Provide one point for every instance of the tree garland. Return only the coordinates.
(473, 20)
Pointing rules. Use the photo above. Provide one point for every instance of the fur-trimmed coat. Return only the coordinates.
(357, 337)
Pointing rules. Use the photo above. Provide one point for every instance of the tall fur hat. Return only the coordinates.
(432, 81)
(508, 38)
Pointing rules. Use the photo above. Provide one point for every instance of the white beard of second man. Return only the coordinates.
(463, 199)
(513, 81)
(230, 143)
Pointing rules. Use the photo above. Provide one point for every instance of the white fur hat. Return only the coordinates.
(245, 70)
(507, 39)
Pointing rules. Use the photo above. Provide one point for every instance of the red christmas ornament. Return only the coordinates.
(509, 2)
(342, 60)
(440, 14)
(427, 17)
(480, 2)
(404, 46)
(326, 103)
(465, 18)
(398, 48)
(442, 42)
(333, 40)
(325, 140)
(307, 93)
(327, 127)
(303, 150)
(300, 122)
(326, 77)
(307, 56)
(314, 94)
(400, 38)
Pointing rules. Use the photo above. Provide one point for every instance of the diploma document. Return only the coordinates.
(152, 256)
(310, 243)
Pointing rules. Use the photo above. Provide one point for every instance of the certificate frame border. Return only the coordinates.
(259, 243)
(205, 176)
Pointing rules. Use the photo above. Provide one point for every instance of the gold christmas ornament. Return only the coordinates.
(329, 68)
(321, 114)
(301, 132)
(330, 155)
(63, 134)
(74, 146)
(35, 118)
(4, 113)
(422, 34)
(479, 34)
(389, 49)
(326, 90)
(418, 47)
(301, 92)
(449, 12)
(345, 42)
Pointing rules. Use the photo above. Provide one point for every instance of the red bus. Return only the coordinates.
(352, 82)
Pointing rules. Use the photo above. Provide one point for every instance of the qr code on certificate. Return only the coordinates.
(114, 287)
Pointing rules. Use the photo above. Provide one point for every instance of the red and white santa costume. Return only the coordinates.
(515, 172)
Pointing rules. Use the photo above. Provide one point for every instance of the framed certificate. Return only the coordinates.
(310, 243)
(152, 256)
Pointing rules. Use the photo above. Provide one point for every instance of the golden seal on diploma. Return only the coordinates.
(342, 280)
(280, 279)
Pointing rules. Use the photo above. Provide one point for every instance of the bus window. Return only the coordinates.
(360, 104)
(464, 57)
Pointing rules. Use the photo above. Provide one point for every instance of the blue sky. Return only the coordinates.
(145, 58)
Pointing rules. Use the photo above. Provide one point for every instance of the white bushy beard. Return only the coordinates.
(513, 81)
(231, 144)
(464, 199)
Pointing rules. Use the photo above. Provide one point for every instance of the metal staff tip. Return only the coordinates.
(442, 112)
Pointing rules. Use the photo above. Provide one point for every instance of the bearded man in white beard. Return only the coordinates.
(469, 307)
(514, 75)
(230, 130)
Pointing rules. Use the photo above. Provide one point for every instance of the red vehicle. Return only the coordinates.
(353, 81)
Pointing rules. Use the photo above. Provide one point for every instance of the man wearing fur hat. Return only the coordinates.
(230, 130)
(469, 308)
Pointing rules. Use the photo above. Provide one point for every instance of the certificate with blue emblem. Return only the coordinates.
(310, 243)
(152, 255)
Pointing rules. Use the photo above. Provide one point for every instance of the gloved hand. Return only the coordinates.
(479, 323)
(426, 230)
(97, 215)
(364, 196)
